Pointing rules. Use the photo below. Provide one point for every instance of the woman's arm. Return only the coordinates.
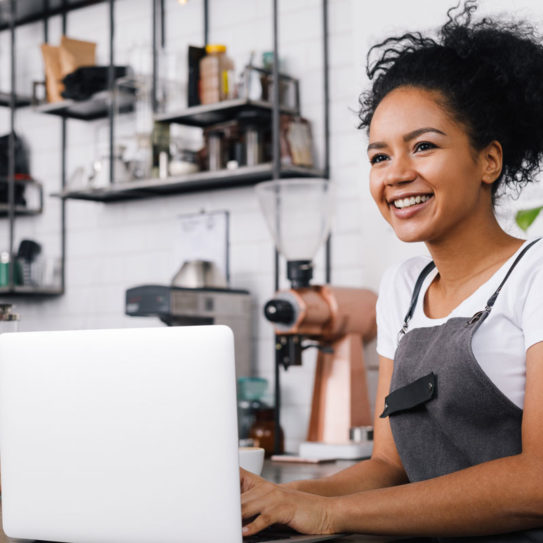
(306, 505)
(383, 469)
(494, 497)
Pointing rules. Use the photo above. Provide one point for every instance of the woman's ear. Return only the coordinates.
(492, 157)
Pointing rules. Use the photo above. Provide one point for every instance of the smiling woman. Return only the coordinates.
(457, 437)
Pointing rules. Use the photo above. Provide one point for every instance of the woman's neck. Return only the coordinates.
(472, 256)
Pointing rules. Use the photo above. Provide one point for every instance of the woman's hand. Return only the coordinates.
(273, 504)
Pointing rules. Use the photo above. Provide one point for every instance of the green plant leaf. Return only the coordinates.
(526, 217)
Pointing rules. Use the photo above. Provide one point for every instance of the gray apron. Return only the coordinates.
(445, 412)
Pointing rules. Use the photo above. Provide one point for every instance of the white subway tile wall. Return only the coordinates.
(113, 247)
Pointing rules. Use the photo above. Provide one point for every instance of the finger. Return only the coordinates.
(248, 480)
(255, 503)
(260, 523)
(253, 485)
(262, 493)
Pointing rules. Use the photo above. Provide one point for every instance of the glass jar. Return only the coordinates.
(250, 392)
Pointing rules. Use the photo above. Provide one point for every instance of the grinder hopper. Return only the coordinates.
(298, 213)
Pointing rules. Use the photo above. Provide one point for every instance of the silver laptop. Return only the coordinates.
(120, 436)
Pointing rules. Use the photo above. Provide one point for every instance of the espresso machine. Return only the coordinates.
(337, 321)
(199, 291)
(194, 306)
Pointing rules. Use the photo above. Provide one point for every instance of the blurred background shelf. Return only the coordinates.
(96, 107)
(228, 110)
(30, 11)
(20, 101)
(20, 211)
(200, 181)
(27, 291)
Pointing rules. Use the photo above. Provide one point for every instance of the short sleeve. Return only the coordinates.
(532, 314)
(387, 325)
(395, 293)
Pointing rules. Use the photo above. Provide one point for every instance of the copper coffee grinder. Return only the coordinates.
(334, 320)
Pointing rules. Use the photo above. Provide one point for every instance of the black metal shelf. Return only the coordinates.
(14, 13)
(200, 181)
(20, 211)
(20, 101)
(227, 110)
(31, 11)
(26, 291)
(96, 107)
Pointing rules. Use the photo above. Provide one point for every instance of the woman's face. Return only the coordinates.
(425, 177)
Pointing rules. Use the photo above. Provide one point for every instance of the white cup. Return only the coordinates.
(251, 459)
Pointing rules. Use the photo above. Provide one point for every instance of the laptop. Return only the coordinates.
(125, 435)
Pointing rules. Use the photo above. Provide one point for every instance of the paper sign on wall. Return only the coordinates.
(204, 236)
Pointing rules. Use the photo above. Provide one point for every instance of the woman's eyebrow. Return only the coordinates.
(408, 137)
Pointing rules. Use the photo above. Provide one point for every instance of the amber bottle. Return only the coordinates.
(263, 432)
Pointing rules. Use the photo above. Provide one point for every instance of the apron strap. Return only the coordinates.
(418, 285)
(489, 304)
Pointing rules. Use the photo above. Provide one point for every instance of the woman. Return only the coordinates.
(458, 440)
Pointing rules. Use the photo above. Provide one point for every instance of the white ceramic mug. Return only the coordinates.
(251, 459)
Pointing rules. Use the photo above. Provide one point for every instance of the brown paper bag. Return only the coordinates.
(76, 53)
(53, 76)
(60, 61)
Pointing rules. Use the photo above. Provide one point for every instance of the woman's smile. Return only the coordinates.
(406, 206)
(410, 201)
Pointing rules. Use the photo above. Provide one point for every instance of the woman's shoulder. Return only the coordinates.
(530, 265)
(528, 271)
(535, 253)
(395, 294)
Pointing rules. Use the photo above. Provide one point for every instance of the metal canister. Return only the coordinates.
(215, 151)
(253, 146)
(358, 434)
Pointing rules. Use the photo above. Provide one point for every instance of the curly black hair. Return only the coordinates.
(490, 74)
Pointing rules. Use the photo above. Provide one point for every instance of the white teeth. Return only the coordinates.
(413, 200)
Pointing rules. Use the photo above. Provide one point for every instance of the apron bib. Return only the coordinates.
(445, 412)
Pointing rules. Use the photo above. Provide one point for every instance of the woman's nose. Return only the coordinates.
(400, 170)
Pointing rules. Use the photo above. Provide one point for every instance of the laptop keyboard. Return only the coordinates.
(273, 533)
(262, 537)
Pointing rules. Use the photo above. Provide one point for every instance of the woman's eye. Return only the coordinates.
(424, 146)
(377, 158)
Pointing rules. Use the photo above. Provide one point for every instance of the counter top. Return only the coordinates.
(284, 472)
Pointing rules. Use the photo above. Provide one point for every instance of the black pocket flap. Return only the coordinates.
(411, 395)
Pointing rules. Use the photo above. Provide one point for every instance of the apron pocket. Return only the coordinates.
(412, 395)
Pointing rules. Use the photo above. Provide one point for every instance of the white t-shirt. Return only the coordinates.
(514, 324)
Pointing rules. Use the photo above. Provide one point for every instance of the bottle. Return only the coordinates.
(263, 431)
(216, 75)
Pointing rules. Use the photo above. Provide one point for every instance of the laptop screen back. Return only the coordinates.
(119, 435)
